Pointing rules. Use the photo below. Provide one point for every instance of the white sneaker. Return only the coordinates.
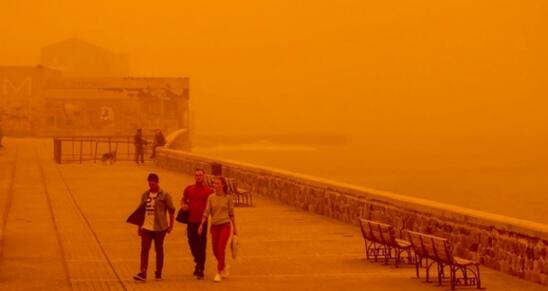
(225, 272)
(217, 278)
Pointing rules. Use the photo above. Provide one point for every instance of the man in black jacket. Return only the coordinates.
(140, 143)
(159, 141)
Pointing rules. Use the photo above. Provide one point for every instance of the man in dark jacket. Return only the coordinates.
(140, 143)
(159, 141)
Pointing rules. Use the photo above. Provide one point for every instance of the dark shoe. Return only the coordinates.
(157, 275)
(196, 271)
(200, 275)
(141, 277)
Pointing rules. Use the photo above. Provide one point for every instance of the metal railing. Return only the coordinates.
(81, 149)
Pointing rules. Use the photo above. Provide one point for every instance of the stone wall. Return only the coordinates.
(513, 246)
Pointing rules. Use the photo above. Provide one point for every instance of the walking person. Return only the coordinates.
(194, 200)
(139, 143)
(158, 205)
(221, 209)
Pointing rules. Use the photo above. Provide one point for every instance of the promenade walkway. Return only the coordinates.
(63, 228)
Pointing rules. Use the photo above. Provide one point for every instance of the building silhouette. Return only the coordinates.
(78, 58)
(83, 89)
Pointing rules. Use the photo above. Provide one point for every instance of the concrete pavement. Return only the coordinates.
(63, 228)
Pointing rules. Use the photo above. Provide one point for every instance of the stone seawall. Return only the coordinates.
(513, 246)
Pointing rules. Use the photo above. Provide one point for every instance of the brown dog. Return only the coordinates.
(109, 157)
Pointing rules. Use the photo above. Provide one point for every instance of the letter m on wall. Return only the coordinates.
(14, 88)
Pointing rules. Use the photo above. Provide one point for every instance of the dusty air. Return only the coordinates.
(268, 145)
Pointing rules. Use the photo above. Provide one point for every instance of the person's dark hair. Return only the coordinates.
(223, 181)
(199, 169)
(153, 177)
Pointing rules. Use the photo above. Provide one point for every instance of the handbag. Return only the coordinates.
(234, 245)
(138, 216)
(182, 216)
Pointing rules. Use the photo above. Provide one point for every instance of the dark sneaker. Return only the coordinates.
(196, 271)
(200, 275)
(157, 275)
(141, 277)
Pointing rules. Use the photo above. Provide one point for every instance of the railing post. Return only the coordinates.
(57, 150)
(72, 148)
(95, 153)
(81, 149)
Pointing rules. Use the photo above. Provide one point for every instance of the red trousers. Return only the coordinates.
(219, 238)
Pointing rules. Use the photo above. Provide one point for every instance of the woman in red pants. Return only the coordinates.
(221, 209)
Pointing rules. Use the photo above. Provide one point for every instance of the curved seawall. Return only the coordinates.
(510, 245)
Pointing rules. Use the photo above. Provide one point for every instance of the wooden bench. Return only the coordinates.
(242, 196)
(381, 242)
(208, 180)
(440, 251)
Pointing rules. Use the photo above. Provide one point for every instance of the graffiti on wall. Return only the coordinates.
(34, 101)
(15, 104)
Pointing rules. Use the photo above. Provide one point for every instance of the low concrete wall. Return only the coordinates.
(513, 246)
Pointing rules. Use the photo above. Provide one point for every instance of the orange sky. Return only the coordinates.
(415, 66)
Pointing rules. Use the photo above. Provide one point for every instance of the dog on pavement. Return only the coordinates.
(109, 157)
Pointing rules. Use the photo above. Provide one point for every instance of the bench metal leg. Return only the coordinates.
(428, 271)
(440, 273)
(366, 251)
(417, 263)
(375, 251)
(478, 277)
(453, 276)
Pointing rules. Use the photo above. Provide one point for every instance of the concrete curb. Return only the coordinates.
(5, 200)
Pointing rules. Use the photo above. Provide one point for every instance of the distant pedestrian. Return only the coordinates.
(195, 200)
(221, 209)
(158, 205)
(159, 141)
(140, 143)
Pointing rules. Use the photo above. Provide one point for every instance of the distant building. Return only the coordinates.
(91, 106)
(39, 101)
(78, 58)
(83, 89)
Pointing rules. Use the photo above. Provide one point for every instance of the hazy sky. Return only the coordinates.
(463, 66)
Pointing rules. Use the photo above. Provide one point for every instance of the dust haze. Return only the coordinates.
(459, 84)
